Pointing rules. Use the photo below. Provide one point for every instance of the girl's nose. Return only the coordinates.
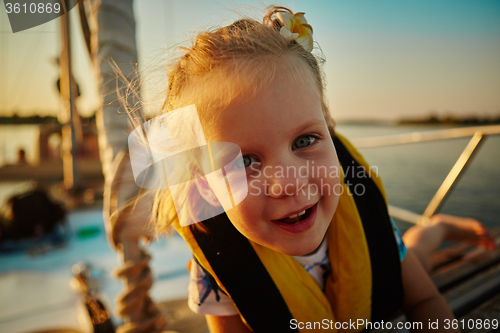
(288, 180)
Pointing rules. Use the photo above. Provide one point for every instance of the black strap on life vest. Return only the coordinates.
(387, 286)
(254, 292)
(245, 278)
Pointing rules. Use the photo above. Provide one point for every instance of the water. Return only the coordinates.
(16, 137)
(411, 173)
(12, 139)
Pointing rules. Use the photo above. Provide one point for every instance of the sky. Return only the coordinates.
(385, 59)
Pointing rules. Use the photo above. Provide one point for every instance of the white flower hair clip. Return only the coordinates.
(292, 26)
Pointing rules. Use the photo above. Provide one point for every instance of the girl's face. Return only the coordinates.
(291, 165)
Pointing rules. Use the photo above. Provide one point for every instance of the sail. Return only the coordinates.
(114, 49)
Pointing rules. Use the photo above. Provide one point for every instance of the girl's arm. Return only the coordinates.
(226, 324)
(423, 302)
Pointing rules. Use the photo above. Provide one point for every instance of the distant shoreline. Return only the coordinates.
(430, 120)
(37, 120)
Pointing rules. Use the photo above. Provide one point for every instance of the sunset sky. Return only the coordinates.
(384, 58)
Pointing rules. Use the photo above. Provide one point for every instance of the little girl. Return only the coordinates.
(311, 246)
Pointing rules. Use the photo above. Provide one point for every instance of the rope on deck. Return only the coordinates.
(126, 224)
(135, 301)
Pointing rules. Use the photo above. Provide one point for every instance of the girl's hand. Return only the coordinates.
(423, 302)
(463, 229)
(226, 324)
(424, 240)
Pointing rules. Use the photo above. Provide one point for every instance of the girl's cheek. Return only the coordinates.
(241, 217)
(255, 188)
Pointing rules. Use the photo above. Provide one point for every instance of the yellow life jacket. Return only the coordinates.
(274, 293)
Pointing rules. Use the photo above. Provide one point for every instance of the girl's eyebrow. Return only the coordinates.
(309, 124)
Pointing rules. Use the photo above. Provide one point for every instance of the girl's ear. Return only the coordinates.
(206, 191)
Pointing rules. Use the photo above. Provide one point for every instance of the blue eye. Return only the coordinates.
(245, 162)
(303, 142)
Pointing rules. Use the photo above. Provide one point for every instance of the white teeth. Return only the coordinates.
(295, 215)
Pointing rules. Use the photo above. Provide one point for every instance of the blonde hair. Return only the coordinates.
(242, 59)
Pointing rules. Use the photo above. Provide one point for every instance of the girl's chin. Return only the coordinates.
(298, 250)
(290, 247)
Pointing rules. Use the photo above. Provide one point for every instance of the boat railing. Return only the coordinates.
(477, 134)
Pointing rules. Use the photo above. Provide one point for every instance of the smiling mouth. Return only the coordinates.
(297, 217)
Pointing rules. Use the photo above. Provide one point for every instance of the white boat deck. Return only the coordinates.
(35, 292)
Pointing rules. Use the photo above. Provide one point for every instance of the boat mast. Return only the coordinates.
(69, 118)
